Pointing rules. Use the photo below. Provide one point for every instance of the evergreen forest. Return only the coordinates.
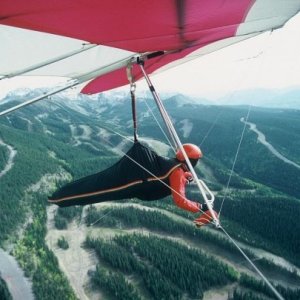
(132, 249)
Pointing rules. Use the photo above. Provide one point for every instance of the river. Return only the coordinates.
(18, 285)
(262, 139)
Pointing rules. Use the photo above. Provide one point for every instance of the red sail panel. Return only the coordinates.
(137, 25)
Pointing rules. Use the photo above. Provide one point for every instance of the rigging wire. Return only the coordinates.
(123, 153)
(157, 122)
(272, 288)
(70, 84)
(211, 128)
(102, 217)
(169, 125)
(142, 167)
(225, 232)
(145, 169)
(234, 161)
(276, 293)
(259, 55)
(231, 95)
(119, 134)
(163, 112)
(130, 77)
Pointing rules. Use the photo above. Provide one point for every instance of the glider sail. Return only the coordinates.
(182, 29)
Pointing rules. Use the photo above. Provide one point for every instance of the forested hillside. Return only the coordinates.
(151, 250)
(4, 293)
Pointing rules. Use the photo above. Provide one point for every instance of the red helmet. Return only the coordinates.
(192, 151)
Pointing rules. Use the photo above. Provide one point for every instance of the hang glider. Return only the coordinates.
(95, 40)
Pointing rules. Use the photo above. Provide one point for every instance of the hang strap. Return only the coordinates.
(133, 100)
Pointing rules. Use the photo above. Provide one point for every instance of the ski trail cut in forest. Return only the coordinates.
(76, 261)
(10, 161)
(187, 127)
(219, 293)
(262, 139)
(258, 252)
(84, 137)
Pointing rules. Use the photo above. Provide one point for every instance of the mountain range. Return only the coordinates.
(272, 98)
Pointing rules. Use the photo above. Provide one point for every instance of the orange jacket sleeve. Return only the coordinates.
(178, 181)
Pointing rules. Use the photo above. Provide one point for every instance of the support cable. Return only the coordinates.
(276, 293)
(102, 217)
(235, 160)
(272, 288)
(211, 128)
(261, 55)
(225, 232)
(161, 108)
(142, 167)
(156, 120)
(145, 169)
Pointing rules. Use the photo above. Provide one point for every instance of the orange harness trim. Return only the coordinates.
(115, 189)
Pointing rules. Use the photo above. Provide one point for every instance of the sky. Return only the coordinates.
(269, 61)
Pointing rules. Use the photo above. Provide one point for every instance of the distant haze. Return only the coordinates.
(273, 98)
